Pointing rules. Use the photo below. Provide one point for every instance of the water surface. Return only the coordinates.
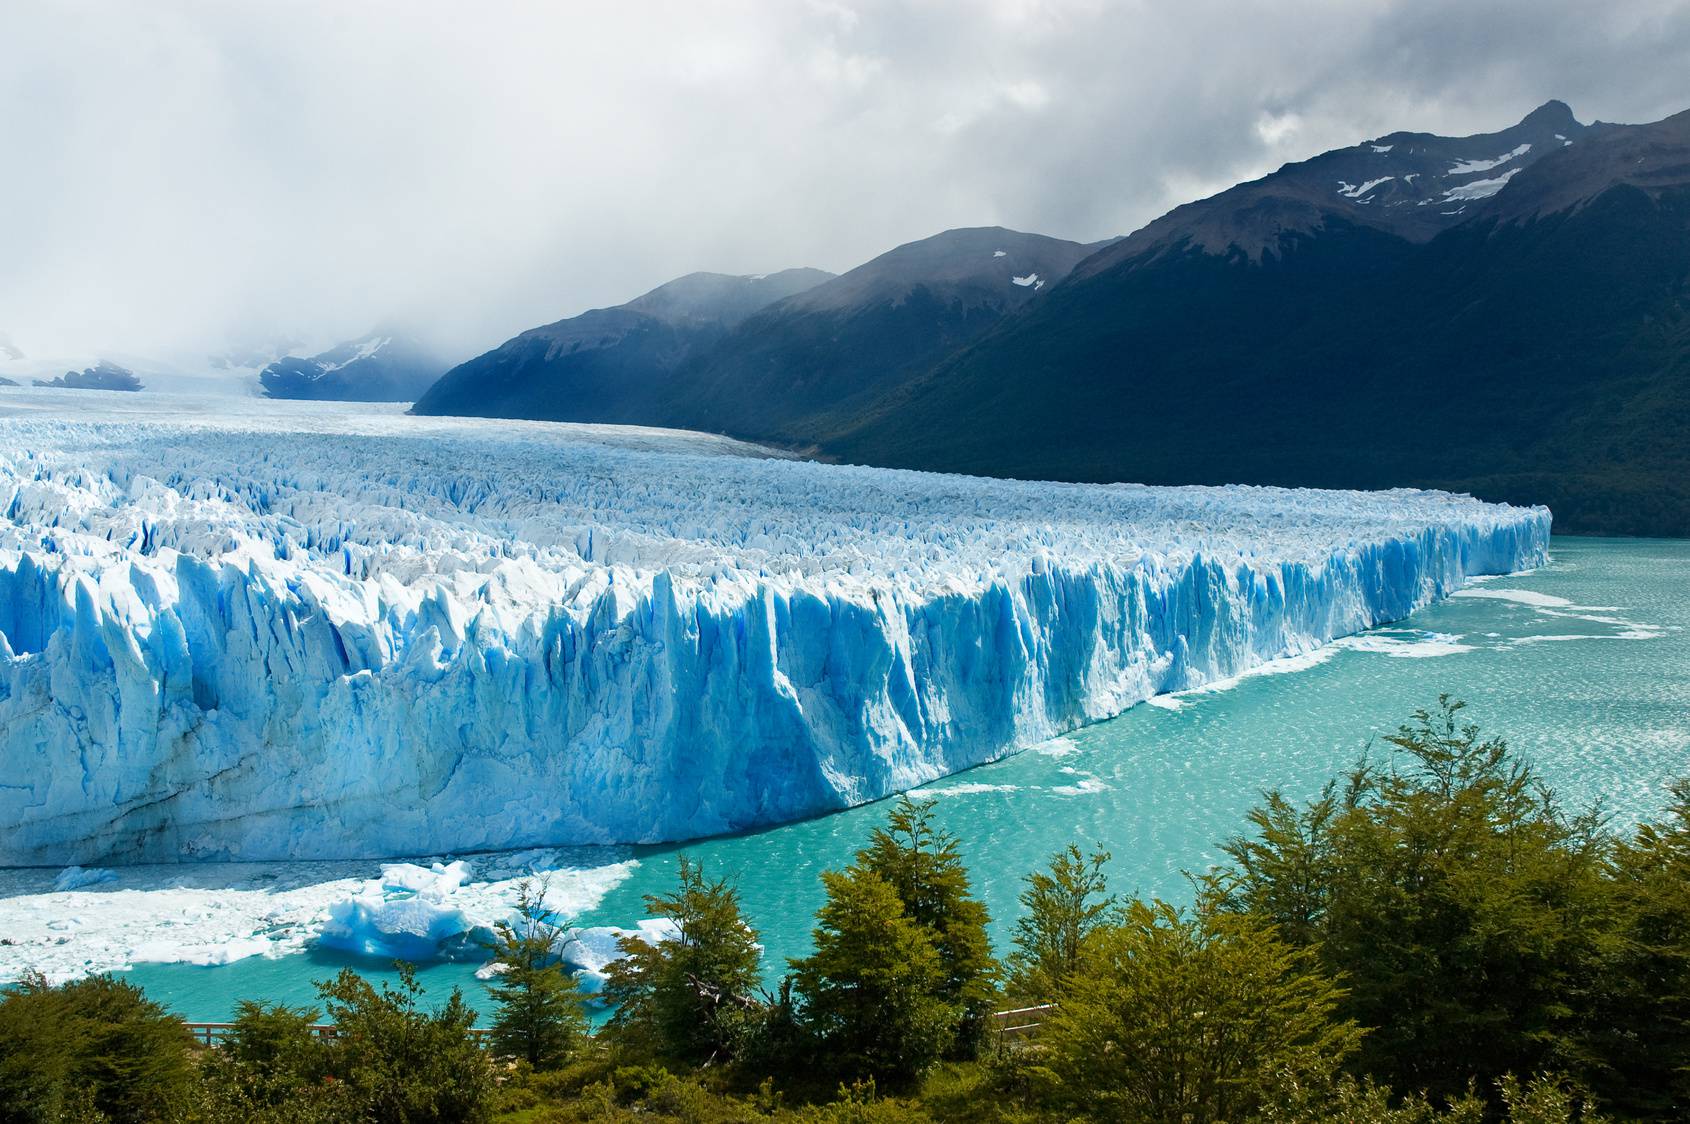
(1583, 666)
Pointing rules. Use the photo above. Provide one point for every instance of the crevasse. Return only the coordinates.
(331, 631)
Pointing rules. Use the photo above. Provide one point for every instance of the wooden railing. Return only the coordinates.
(1022, 1022)
(209, 1034)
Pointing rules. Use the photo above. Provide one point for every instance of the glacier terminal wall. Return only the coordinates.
(329, 631)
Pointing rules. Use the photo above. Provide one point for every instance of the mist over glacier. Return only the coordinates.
(265, 630)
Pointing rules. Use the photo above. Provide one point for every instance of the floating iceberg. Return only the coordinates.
(314, 630)
(589, 951)
(76, 877)
(409, 913)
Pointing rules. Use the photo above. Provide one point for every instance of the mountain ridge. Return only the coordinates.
(385, 365)
(1509, 298)
(1523, 354)
(609, 364)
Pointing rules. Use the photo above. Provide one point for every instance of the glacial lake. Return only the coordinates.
(1583, 666)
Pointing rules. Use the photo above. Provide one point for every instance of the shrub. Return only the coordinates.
(401, 1062)
(95, 1048)
(1177, 1017)
(271, 1066)
(688, 997)
(923, 866)
(872, 990)
(1063, 908)
(1466, 914)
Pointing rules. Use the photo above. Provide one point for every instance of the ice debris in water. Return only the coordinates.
(218, 913)
(409, 913)
(313, 630)
(588, 952)
(76, 877)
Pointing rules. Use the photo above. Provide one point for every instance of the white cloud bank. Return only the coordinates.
(177, 173)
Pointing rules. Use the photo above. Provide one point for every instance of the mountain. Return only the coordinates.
(1502, 314)
(804, 364)
(383, 366)
(104, 375)
(1412, 185)
(610, 364)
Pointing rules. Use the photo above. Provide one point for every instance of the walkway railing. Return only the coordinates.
(209, 1034)
(1022, 1022)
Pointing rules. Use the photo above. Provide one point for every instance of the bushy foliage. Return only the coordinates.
(873, 991)
(540, 1017)
(1064, 906)
(689, 997)
(1541, 1100)
(1173, 1017)
(272, 1067)
(1465, 913)
(93, 1049)
(402, 1062)
(923, 866)
(1636, 1033)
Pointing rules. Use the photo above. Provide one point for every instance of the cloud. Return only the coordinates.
(174, 175)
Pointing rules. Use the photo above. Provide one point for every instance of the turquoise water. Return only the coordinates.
(1592, 684)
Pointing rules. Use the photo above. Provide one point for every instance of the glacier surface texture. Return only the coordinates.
(309, 630)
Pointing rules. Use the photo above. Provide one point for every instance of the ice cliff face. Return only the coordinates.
(332, 631)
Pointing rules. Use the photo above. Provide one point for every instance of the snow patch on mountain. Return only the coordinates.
(1469, 167)
(1479, 189)
(325, 630)
(1356, 191)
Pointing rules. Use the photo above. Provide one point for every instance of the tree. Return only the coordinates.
(401, 1062)
(1638, 1034)
(1465, 913)
(1285, 872)
(271, 1065)
(540, 1017)
(688, 996)
(92, 1047)
(1063, 907)
(1172, 1017)
(873, 990)
(923, 866)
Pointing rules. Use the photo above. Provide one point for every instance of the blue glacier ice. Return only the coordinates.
(299, 630)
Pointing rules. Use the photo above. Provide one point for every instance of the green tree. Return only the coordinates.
(1172, 1017)
(689, 996)
(1466, 914)
(272, 1066)
(1063, 907)
(873, 989)
(95, 1048)
(1285, 871)
(1638, 1034)
(403, 1063)
(540, 1017)
(923, 866)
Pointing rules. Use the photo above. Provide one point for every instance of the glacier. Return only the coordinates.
(250, 630)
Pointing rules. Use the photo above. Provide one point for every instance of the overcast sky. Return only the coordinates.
(182, 175)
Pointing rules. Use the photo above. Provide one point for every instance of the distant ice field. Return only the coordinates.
(240, 629)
